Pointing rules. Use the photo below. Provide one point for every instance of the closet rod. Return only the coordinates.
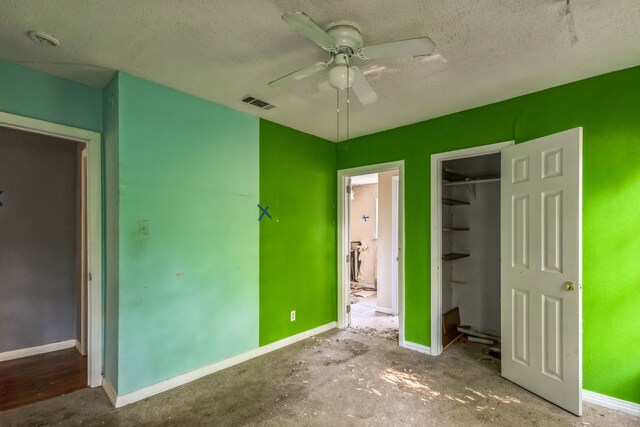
(476, 181)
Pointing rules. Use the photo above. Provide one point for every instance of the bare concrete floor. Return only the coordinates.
(340, 378)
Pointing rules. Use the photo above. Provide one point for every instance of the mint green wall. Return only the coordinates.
(188, 290)
(30, 93)
(110, 139)
(297, 246)
(608, 108)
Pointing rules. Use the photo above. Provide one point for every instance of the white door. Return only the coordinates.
(541, 291)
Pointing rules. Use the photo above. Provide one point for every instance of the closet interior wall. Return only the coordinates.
(473, 283)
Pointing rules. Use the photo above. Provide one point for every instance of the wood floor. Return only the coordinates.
(35, 378)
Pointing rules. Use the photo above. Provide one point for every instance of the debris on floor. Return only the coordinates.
(475, 335)
(390, 334)
(341, 377)
(495, 352)
(365, 294)
(450, 321)
(356, 297)
(471, 338)
(359, 292)
(491, 342)
(356, 286)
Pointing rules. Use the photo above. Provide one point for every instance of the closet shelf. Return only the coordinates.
(452, 202)
(452, 256)
(454, 229)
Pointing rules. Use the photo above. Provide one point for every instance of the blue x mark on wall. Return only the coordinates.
(263, 212)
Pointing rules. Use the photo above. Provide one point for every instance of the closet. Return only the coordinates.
(471, 241)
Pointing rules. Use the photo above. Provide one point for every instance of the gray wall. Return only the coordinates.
(38, 237)
(479, 297)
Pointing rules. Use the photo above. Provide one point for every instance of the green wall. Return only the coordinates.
(30, 93)
(608, 108)
(188, 233)
(298, 245)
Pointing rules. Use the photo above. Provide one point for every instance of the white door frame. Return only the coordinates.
(81, 344)
(436, 226)
(343, 239)
(395, 187)
(94, 225)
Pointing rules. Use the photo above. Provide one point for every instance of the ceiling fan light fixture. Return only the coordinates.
(341, 76)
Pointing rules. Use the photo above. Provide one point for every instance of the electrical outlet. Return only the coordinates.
(293, 315)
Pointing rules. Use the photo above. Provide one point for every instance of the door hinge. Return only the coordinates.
(90, 276)
(348, 309)
(349, 189)
(348, 259)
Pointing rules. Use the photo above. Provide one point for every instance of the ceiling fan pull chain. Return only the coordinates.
(337, 115)
(348, 99)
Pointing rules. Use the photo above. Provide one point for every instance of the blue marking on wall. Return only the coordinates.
(263, 212)
(365, 218)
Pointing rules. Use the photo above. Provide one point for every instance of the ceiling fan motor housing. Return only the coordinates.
(348, 39)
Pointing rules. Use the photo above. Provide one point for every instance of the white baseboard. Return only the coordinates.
(143, 393)
(32, 351)
(109, 391)
(611, 402)
(384, 310)
(82, 351)
(416, 347)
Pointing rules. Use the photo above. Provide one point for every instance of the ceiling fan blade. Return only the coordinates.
(307, 27)
(363, 90)
(412, 47)
(299, 75)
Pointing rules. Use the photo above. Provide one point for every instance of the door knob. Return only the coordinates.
(568, 286)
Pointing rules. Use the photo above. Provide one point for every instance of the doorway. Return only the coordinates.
(465, 243)
(52, 204)
(370, 242)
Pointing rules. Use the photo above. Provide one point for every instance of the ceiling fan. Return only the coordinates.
(344, 42)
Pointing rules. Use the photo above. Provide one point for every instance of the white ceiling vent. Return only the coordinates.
(44, 38)
(258, 103)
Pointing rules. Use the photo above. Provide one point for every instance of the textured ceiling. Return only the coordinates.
(488, 50)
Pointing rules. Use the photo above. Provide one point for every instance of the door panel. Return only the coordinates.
(520, 328)
(552, 336)
(520, 230)
(552, 232)
(541, 252)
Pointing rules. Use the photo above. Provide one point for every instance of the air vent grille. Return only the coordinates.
(44, 38)
(258, 103)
